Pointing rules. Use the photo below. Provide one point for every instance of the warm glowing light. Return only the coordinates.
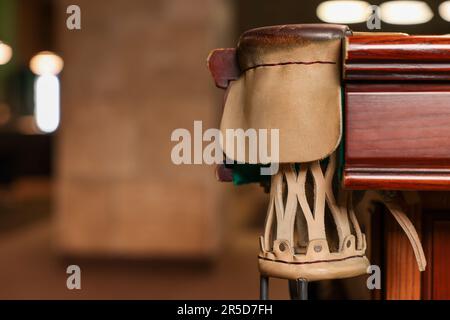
(444, 10)
(343, 11)
(46, 103)
(5, 53)
(46, 63)
(405, 12)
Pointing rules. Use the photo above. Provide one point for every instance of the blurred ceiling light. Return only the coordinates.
(342, 11)
(444, 10)
(406, 12)
(46, 102)
(5, 53)
(46, 63)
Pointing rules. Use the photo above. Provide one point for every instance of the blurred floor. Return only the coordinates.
(31, 270)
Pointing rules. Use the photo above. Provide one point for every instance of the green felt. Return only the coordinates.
(247, 173)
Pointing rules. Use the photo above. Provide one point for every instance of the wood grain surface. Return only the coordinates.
(397, 136)
(397, 57)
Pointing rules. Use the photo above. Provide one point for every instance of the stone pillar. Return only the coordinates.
(135, 72)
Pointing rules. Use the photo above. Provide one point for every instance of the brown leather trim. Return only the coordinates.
(290, 34)
(287, 63)
(310, 262)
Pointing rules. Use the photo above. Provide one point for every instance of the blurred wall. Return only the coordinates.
(133, 73)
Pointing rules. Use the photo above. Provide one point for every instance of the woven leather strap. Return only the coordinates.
(393, 202)
(295, 187)
(407, 226)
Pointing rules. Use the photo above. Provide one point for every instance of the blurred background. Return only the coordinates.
(86, 176)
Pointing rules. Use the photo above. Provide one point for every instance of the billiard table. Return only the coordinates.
(396, 137)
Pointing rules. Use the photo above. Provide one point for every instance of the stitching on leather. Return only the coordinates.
(310, 262)
(287, 63)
